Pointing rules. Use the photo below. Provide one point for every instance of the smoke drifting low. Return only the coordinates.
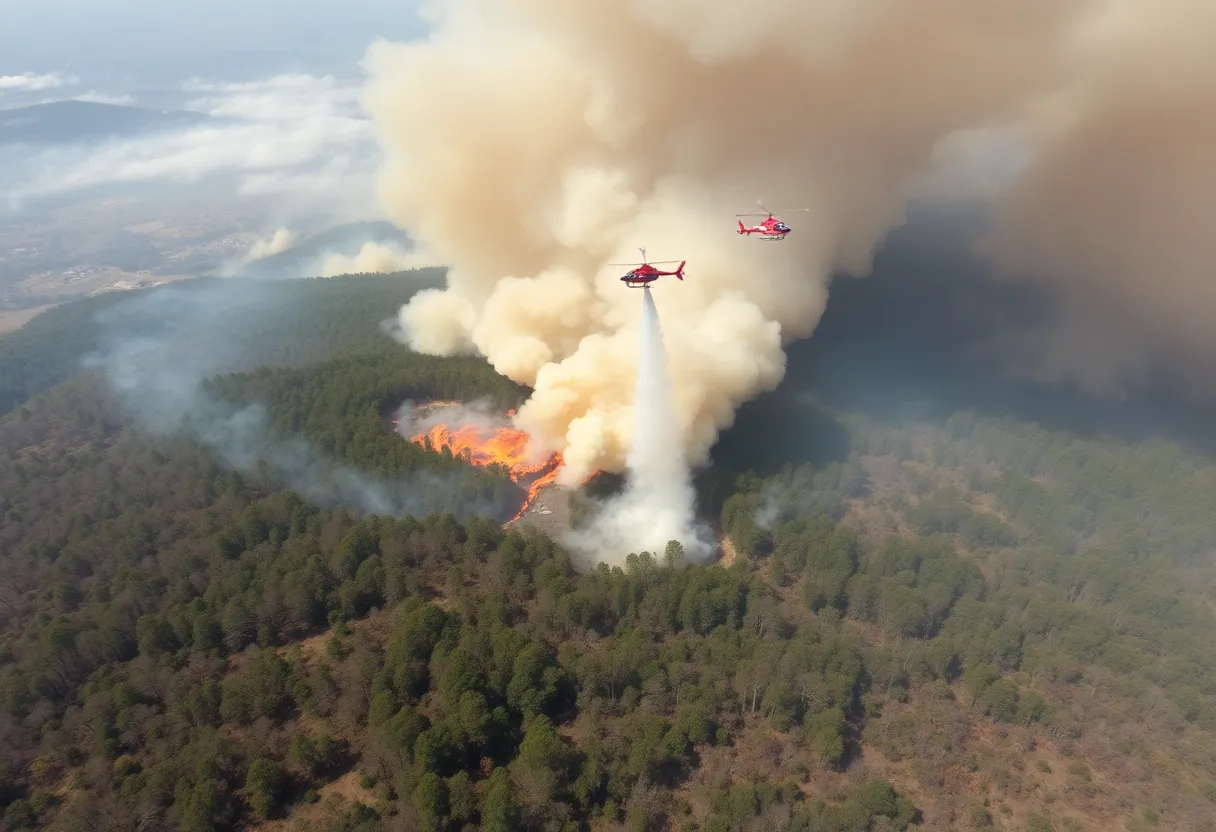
(157, 350)
(528, 143)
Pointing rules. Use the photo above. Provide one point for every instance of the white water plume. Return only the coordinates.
(657, 505)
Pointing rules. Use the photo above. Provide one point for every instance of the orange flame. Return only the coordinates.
(503, 446)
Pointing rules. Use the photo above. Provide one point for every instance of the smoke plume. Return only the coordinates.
(372, 257)
(528, 143)
(1118, 205)
(657, 505)
(280, 241)
(158, 348)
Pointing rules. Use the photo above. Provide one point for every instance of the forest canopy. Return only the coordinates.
(973, 624)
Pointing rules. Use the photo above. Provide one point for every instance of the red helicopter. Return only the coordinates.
(646, 273)
(772, 228)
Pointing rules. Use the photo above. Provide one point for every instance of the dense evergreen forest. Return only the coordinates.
(964, 624)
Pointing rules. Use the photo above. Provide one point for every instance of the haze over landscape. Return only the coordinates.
(344, 485)
(146, 143)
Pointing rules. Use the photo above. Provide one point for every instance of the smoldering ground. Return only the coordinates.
(158, 348)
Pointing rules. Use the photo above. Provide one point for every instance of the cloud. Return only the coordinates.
(273, 136)
(103, 98)
(342, 185)
(30, 82)
(282, 98)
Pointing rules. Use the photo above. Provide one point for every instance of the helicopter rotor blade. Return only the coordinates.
(648, 263)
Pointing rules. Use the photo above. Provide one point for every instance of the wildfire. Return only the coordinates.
(484, 446)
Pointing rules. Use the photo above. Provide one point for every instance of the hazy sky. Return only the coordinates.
(41, 35)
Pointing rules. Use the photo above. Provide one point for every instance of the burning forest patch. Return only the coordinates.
(482, 438)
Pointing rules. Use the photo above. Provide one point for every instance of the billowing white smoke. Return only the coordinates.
(528, 143)
(280, 241)
(372, 258)
(657, 505)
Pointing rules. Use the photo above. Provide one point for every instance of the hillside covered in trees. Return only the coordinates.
(972, 623)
